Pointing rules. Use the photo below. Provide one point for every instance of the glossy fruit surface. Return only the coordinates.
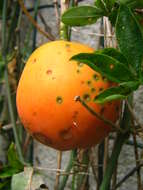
(46, 98)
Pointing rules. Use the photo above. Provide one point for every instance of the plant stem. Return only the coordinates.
(68, 169)
(63, 27)
(10, 106)
(58, 172)
(120, 140)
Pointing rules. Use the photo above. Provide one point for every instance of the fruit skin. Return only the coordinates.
(46, 98)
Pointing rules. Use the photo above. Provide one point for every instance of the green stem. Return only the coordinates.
(11, 111)
(120, 140)
(15, 131)
(68, 169)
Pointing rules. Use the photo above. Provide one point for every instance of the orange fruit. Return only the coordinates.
(46, 98)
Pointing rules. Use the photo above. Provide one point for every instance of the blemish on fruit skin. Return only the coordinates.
(75, 114)
(53, 78)
(89, 82)
(42, 138)
(34, 113)
(86, 97)
(101, 89)
(96, 77)
(82, 82)
(34, 60)
(78, 71)
(49, 72)
(67, 45)
(102, 110)
(59, 99)
(66, 134)
(117, 108)
(93, 90)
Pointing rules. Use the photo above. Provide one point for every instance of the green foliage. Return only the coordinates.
(14, 164)
(80, 16)
(129, 37)
(132, 3)
(118, 92)
(114, 53)
(105, 5)
(109, 67)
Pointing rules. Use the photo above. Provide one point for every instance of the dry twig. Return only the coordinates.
(49, 36)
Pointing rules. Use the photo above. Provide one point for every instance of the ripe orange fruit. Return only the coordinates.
(46, 98)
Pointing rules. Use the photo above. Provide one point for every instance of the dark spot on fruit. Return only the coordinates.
(67, 45)
(96, 77)
(78, 71)
(59, 99)
(66, 134)
(117, 108)
(75, 114)
(42, 138)
(102, 110)
(82, 81)
(86, 97)
(49, 72)
(59, 52)
(101, 89)
(89, 82)
(53, 78)
(93, 89)
(34, 113)
(34, 60)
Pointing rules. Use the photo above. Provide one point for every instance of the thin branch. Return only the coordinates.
(129, 174)
(133, 115)
(137, 161)
(114, 126)
(47, 28)
(58, 172)
(49, 36)
(30, 179)
(56, 7)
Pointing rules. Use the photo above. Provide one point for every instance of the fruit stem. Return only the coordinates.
(10, 106)
(114, 126)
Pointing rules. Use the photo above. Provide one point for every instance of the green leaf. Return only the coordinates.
(107, 66)
(8, 171)
(114, 53)
(133, 3)
(80, 16)
(113, 15)
(13, 159)
(118, 92)
(105, 5)
(129, 37)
